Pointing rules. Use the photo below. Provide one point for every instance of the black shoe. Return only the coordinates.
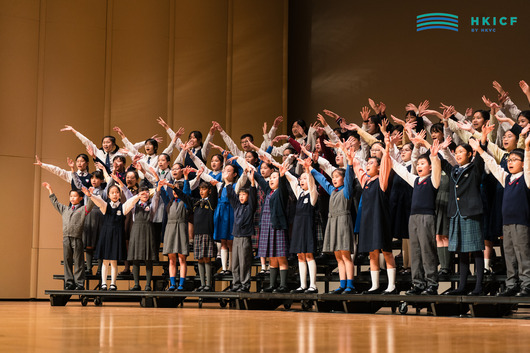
(235, 288)
(228, 273)
(350, 290)
(281, 289)
(337, 291)
(70, 286)
(391, 292)
(243, 290)
(125, 273)
(136, 288)
(374, 291)
(476, 294)
(431, 290)
(199, 289)
(525, 292)
(414, 291)
(148, 288)
(207, 289)
(88, 272)
(508, 292)
(113, 287)
(268, 289)
(80, 287)
(103, 287)
(454, 292)
(298, 290)
(311, 290)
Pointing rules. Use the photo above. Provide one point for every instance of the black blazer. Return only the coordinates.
(278, 201)
(464, 187)
(243, 213)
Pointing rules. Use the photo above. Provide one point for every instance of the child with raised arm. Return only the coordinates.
(374, 235)
(338, 237)
(244, 205)
(422, 220)
(203, 224)
(303, 240)
(515, 216)
(73, 217)
(111, 243)
(176, 238)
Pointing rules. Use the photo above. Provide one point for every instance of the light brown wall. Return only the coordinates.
(97, 64)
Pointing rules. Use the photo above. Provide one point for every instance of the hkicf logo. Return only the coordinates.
(491, 24)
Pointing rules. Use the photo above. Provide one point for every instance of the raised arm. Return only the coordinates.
(386, 166)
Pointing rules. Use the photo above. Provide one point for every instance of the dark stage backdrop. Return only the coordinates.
(343, 52)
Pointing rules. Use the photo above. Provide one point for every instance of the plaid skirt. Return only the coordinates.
(255, 236)
(204, 246)
(272, 242)
(465, 233)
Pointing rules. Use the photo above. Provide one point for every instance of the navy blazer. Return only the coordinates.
(464, 187)
(278, 201)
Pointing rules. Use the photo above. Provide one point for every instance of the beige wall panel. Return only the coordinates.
(74, 74)
(15, 218)
(139, 69)
(48, 266)
(200, 59)
(19, 35)
(50, 222)
(258, 65)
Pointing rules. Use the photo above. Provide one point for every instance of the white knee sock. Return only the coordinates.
(375, 279)
(113, 271)
(302, 268)
(224, 258)
(391, 273)
(104, 273)
(487, 264)
(312, 265)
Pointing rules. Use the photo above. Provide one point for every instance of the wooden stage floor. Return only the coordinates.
(126, 327)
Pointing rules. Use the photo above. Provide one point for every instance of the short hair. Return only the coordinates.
(98, 174)
(197, 134)
(438, 127)
(134, 172)
(377, 159)
(485, 114)
(152, 142)
(219, 156)
(519, 152)
(425, 156)
(113, 140)
(204, 185)
(341, 171)
(250, 137)
(77, 191)
(244, 190)
(168, 157)
(120, 157)
(143, 188)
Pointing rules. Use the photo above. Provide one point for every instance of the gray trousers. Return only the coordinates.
(516, 244)
(423, 254)
(242, 261)
(74, 261)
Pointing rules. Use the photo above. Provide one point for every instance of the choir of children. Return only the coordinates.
(381, 181)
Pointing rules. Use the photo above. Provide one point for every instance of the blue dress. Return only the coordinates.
(223, 218)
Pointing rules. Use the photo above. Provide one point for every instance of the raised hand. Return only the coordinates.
(503, 97)
(90, 152)
(118, 130)
(216, 147)
(162, 123)
(397, 138)
(486, 101)
(423, 106)
(99, 165)
(250, 174)
(86, 191)
(411, 107)
(527, 142)
(365, 113)
(383, 125)
(180, 132)
(431, 112)
(68, 128)
(70, 163)
(157, 138)
(446, 142)
(154, 173)
(279, 138)
(217, 126)
(498, 87)
(47, 186)
(277, 121)
(382, 108)
(475, 145)
(397, 121)
(265, 159)
(435, 148)
(186, 171)
(374, 106)
(321, 119)
(447, 113)
(487, 128)
(469, 112)
(37, 161)
(524, 87)
(525, 130)
(331, 114)
(200, 171)
(332, 144)
(465, 125)
(282, 168)
(264, 128)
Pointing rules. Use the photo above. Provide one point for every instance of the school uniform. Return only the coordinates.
(375, 229)
(111, 243)
(73, 218)
(143, 243)
(516, 222)
(339, 227)
(176, 237)
(203, 222)
(273, 240)
(243, 230)
(465, 205)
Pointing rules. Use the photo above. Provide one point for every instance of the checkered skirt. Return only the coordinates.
(465, 233)
(204, 246)
(272, 242)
